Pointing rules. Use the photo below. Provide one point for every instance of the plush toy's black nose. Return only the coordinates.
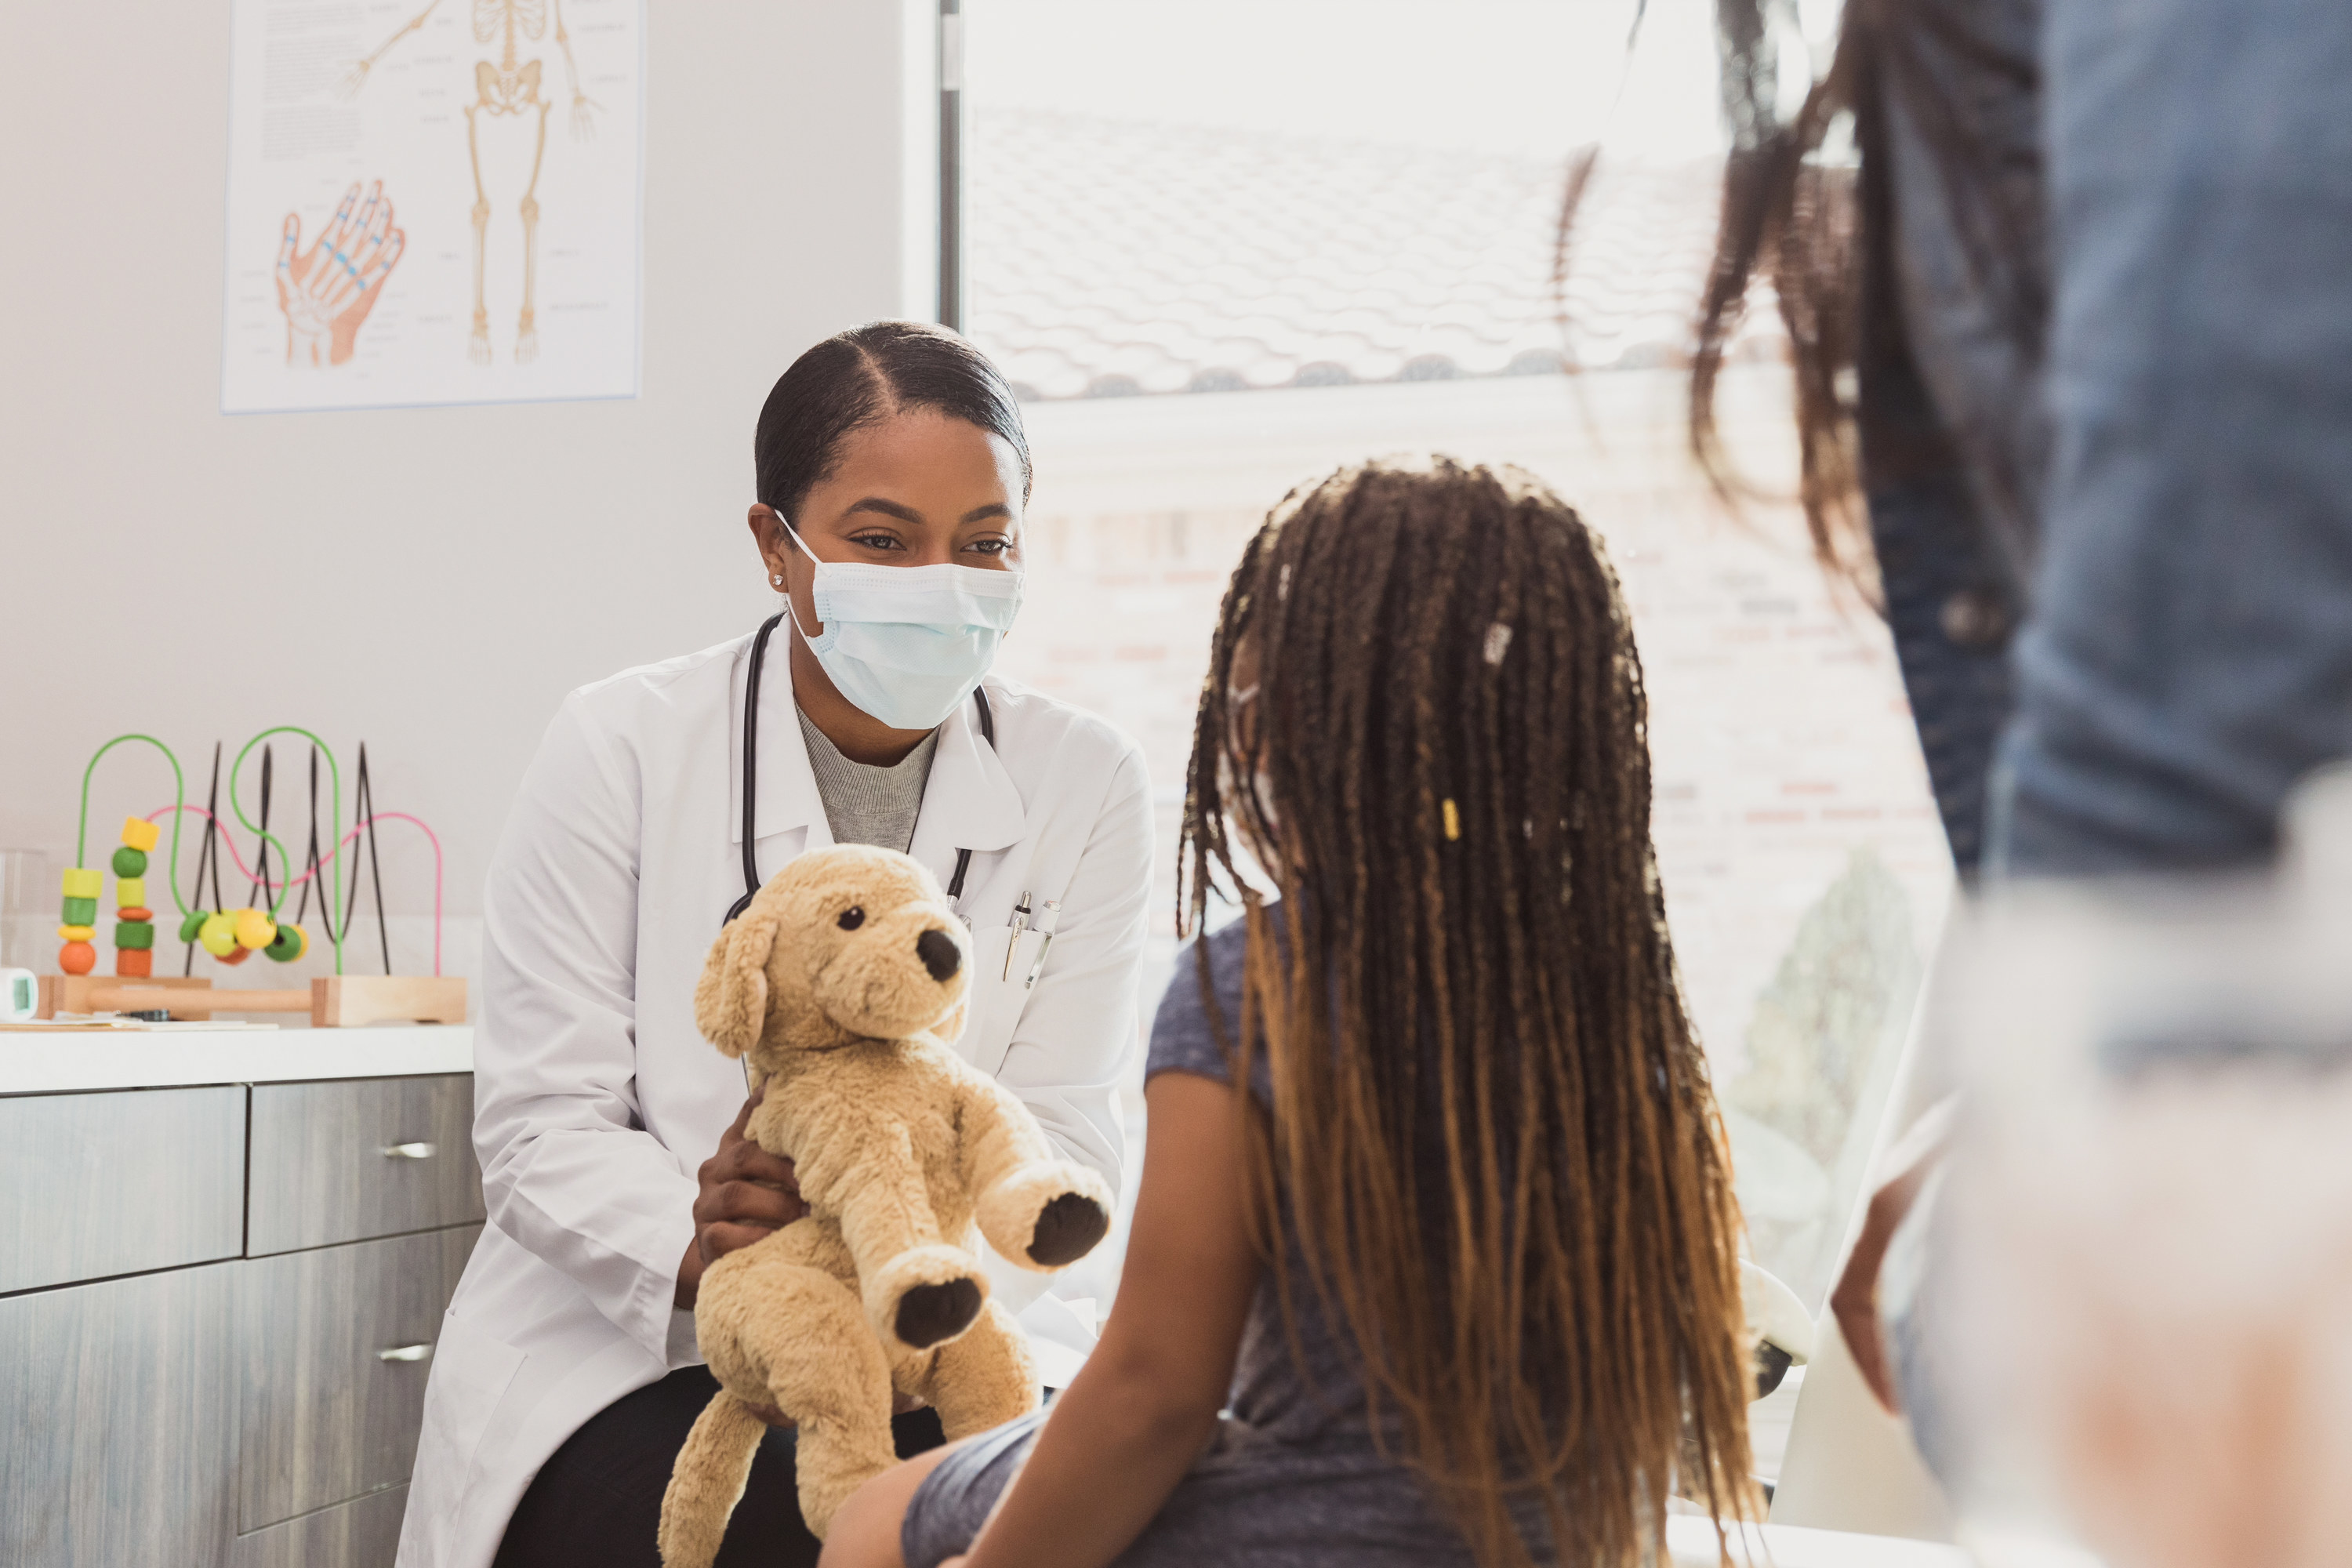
(939, 953)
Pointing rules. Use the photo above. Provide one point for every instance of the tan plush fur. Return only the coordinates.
(904, 1154)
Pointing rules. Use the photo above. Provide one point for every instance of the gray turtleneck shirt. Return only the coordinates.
(864, 803)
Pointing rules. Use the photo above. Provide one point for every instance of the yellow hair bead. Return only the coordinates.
(1453, 823)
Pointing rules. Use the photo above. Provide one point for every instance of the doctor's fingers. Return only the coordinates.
(751, 1202)
(744, 1161)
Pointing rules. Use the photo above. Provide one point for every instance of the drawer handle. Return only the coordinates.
(409, 1151)
(405, 1352)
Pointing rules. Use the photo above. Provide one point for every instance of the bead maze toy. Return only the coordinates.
(232, 935)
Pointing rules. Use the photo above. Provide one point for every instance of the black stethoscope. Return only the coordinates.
(751, 776)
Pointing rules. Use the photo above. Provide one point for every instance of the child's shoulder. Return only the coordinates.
(1197, 1024)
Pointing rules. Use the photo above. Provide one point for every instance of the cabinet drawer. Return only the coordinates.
(326, 1416)
(100, 1185)
(362, 1534)
(361, 1158)
(117, 1418)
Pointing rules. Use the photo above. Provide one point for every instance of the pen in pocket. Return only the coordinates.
(1046, 919)
(1020, 922)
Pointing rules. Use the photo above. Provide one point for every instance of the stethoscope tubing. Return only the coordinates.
(751, 776)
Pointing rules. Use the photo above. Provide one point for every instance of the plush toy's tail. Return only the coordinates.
(707, 1481)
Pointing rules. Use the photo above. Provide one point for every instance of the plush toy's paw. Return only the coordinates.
(1046, 1217)
(925, 1295)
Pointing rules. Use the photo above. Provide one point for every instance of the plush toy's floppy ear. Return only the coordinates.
(731, 1000)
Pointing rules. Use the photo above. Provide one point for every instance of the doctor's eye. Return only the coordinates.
(851, 918)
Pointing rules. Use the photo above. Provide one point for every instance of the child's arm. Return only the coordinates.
(1129, 1424)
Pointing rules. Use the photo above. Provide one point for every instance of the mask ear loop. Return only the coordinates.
(794, 534)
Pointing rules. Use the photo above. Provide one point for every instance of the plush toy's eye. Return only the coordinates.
(852, 918)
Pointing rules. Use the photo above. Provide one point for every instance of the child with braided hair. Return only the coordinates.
(1435, 1257)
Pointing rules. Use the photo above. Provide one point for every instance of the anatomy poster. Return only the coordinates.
(432, 202)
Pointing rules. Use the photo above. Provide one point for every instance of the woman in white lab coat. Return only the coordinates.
(892, 472)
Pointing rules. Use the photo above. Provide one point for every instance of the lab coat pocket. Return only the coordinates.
(996, 999)
(472, 1372)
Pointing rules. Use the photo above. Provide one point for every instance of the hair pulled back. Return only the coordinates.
(862, 377)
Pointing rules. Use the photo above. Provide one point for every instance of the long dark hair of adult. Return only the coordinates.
(1800, 221)
(861, 377)
(1444, 766)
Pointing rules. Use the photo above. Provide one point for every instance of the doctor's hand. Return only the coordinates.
(745, 1195)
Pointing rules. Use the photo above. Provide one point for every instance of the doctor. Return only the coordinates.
(892, 473)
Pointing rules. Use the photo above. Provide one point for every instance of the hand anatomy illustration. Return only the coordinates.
(327, 291)
(508, 85)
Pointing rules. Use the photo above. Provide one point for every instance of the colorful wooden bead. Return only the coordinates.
(79, 912)
(134, 933)
(218, 934)
(76, 933)
(291, 944)
(135, 962)
(192, 924)
(76, 958)
(130, 862)
(130, 891)
(235, 955)
(254, 928)
(82, 883)
(140, 834)
(134, 912)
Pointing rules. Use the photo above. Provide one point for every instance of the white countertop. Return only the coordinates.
(67, 1060)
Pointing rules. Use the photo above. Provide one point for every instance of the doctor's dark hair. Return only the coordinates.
(861, 377)
(1444, 766)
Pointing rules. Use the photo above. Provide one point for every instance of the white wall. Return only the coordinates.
(429, 581)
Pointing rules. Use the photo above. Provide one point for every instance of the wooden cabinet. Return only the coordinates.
(249, 1395)
(101, 1184)
(366, 1157)
(337, 1345)
(118, 1421)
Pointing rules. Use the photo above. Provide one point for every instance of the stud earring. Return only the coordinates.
(778, 581)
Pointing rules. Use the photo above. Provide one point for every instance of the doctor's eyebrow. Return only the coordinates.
(908, 514)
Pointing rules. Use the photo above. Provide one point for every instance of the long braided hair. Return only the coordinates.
(1443, 766)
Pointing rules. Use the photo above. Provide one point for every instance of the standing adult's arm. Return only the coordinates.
(2189, 655)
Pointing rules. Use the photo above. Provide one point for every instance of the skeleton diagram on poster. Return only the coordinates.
(432, 202)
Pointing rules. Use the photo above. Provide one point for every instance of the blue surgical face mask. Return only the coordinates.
(907, 643)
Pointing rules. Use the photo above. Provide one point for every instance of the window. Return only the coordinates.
(1282, 235)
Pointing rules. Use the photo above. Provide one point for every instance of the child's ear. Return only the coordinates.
(731, 1000)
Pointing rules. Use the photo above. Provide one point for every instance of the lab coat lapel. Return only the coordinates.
(788, 795)
(969, 802)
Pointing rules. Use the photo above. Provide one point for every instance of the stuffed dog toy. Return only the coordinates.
(844, 982)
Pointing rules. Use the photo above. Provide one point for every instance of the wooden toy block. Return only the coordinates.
(348, 1001)
(135, 962)
(130, 891)
(134, 933)
(140, 834)
(79, 912)
(83, 883)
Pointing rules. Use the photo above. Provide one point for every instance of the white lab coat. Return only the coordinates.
(596, 1098)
